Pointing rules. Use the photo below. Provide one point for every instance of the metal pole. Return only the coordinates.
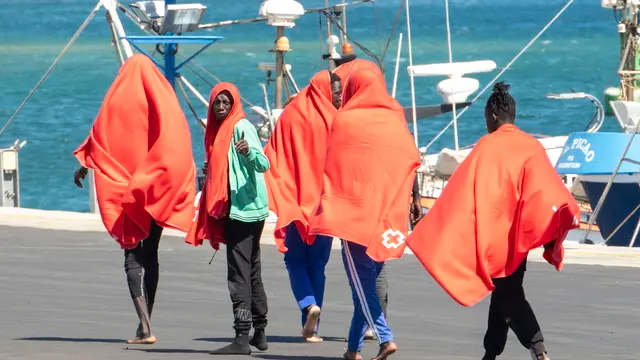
(344, 21)
(635, 234)
(395, 74)
(111, 5)
(413, 86)
(279, 68)
(169, 55)
(114, 37)
(454, 112)
(332, 64)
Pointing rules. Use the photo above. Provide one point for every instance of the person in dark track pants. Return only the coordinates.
(232, 210)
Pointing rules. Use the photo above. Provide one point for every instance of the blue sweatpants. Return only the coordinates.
(306, 265)
(362, 272)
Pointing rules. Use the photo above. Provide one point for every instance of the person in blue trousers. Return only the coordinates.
(363, 272)
(306, 265)
(296, 152)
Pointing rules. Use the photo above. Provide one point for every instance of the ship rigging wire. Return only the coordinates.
(53, 65)
(515, 58)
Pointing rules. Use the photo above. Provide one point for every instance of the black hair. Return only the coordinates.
(501, 103)
(334, 77)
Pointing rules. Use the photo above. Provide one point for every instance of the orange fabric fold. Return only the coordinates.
(140, 149)
(345, 70)
(369, 171)
(213, 207)
(504, 200)
(296, 152)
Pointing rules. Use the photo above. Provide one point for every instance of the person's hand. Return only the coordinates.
(242, 146)
(416, 211)
(80, 175)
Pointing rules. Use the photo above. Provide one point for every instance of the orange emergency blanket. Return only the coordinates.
(213, 207)
(504, 200)
(140, 149)
(296, 152)
(369, 170)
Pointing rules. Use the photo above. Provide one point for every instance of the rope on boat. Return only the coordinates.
(55, 62)
(566, 6)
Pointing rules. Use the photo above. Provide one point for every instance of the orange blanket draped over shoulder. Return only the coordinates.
(213, 208)
(369, 171)
(296, 152)
(140, 149)
(504, 200)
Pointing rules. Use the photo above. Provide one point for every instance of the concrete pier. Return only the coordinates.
(63, 295)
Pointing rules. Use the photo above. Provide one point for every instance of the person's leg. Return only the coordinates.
(133, 260)
(383, 297)
(362, 272)
(239, 251)
(520, 316)
(149, 258)
(259, 306)
(318, 257)
(295, 260)
(151, 264)
(495, 338)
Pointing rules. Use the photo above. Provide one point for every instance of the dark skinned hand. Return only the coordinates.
(416, 211)
(80, 175)
(242, 146)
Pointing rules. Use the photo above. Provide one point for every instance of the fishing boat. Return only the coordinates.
(608, 163)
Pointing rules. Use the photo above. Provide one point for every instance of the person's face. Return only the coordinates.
(491, 119)
(222, 105)
(336, 94)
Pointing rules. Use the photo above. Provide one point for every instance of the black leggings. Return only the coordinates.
(382, 287)
(510, 309)
(144, 256)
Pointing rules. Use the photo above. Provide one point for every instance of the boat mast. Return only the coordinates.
(332, 64)
(281, 47)
(170, 55)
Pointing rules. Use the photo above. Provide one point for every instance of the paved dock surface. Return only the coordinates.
(63, 295)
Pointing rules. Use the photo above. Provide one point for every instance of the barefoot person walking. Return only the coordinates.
(140, 150)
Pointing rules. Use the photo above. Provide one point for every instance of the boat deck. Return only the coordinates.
(63, 296)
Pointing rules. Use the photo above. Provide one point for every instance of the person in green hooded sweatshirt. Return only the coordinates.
(233, 207)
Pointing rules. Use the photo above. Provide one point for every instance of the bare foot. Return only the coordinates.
(314, 339)
(386, 350)
(311, 324)
(143, 341)
(368, 335)
(351, 355)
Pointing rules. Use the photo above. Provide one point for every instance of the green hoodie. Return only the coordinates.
(247, 189)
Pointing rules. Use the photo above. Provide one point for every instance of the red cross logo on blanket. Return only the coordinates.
(392, 239)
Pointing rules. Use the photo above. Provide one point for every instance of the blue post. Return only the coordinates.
(169, 57)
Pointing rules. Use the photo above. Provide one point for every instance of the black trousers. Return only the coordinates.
(382, 287)
(510, 309)
(144, 257)
(244, 275)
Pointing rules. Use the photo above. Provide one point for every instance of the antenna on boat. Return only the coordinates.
(281, 14)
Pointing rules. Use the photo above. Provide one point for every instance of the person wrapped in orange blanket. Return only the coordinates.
(140, 150)
(504, 200)
(296, 153)
(232, 210)
(369, 170)
(347, 66)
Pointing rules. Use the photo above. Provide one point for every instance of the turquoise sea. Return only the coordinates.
(580, 52)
